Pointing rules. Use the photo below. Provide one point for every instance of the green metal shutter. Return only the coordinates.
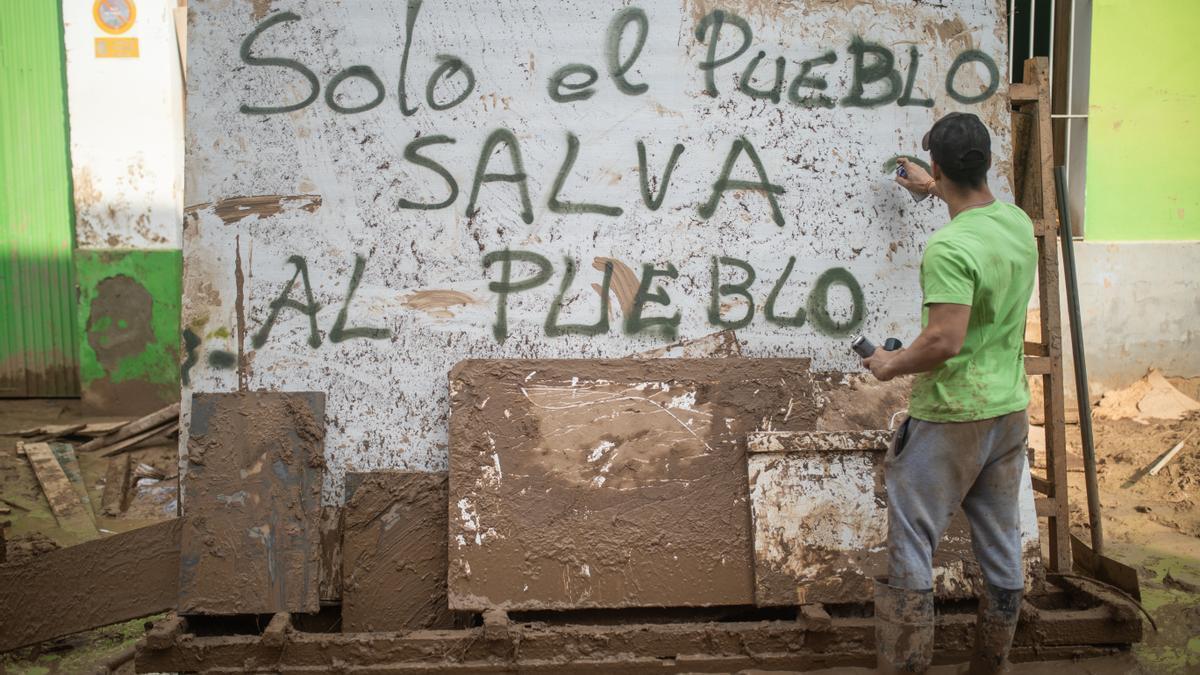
(38, 337)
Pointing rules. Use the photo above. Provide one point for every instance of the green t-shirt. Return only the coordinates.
(986, 258)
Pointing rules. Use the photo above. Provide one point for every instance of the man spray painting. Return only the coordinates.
(964, 440)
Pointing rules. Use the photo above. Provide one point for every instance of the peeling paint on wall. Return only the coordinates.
(599, 178)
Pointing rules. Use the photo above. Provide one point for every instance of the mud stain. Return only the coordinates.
(764, 10)
(234, 209)
(119, 320)
(260, 8)
(437, 302)
(951, 32)
(624, 282)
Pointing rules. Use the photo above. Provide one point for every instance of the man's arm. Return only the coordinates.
(940, 341)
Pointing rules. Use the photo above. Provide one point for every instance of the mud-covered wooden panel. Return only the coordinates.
(820, 524)
(609, 483)
(251, 537)
(394, 547)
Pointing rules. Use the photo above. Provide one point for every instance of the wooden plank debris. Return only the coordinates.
(65, 454)
(49, 432)
(131, 443)
(100, 582)
(151, 421)
(609, 483)
(1166, 459)
(98, 429)
(69, 511)
(394, 537)
(115, 498)
(251, 535)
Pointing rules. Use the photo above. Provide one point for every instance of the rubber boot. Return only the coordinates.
(999, 610)
(903, 629)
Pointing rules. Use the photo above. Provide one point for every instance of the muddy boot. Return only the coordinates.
(903, 629)
(994, 627)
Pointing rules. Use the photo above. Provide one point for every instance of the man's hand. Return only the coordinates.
(879, 364)
(918, 179)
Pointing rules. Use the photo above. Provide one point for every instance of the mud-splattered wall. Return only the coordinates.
(126, 128)
(377, 190)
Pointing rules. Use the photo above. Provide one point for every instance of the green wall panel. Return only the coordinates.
(129, 303)
(1144, 126)
(37, 309)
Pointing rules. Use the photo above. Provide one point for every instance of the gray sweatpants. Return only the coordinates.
(931, 468)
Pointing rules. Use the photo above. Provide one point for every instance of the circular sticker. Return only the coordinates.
(114, 16)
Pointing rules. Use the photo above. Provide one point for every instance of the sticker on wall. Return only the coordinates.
(116, 47)
(114, 16)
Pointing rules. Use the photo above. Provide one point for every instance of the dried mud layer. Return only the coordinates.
(251, 536)
(1151, 523)
(610, 483)
(394, 547)
(820, 531)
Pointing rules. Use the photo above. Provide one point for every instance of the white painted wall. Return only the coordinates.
(387, 399)
(126, 117)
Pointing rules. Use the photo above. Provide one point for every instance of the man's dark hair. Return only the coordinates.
(962, 148)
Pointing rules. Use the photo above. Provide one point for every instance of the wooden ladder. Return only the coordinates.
(1033, 163)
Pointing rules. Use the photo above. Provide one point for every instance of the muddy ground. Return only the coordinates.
(1151, 523)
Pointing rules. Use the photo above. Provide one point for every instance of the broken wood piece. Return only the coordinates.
(277, 630)
(1166, 459)
(97, 583)
(163, 633)
(115, 498)
(144, 470)
(64, 502)
(495, 624)
(815, 616)
(151, 421)
(132, 442)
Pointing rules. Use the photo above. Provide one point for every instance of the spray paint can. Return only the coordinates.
(917, 196)
(865, 348)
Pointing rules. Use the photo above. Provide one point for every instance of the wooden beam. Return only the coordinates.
(1036, 74)
(1038, 365)
(1022, 92)
(104, 581)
